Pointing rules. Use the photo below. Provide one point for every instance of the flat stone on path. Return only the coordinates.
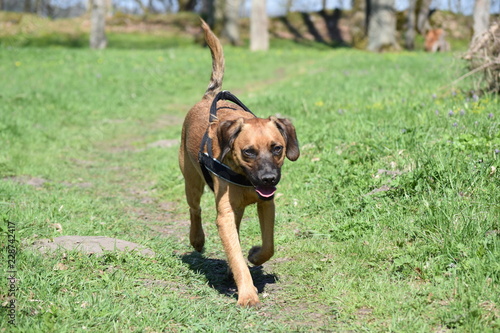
(89, 245)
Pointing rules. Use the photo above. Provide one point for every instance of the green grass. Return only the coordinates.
(389, 221)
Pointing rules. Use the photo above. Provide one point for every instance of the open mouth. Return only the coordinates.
(265, 192)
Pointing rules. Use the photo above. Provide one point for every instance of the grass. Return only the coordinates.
(389, 221)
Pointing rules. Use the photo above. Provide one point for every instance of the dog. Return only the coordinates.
(253, 149)
(435, 40)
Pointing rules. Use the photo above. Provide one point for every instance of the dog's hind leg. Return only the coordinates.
(194, 185)
(260, 254)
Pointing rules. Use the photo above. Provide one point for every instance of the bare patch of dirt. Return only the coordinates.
(174, 228)
(279, 75)
(170, 285)
(38, 182)
(163, 144)
(364, 313)
(170, 120)
(27, 180)
(383, 188)
(135, 145)
(80, 184)
(301, 314)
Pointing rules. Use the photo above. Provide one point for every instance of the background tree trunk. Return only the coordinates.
(231, 29)
(39, 7)
(381, 25)
(358, 23)
(410, 31)
(481, 17)
(27, 5)
(186, 5)
(98, 25)
(423, 16)
(144, 8)
(259, 34)
(109, 8)
(208, 12)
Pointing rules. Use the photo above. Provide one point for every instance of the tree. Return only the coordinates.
(109, 8)
(411, 22)
(424, 12)
(142, 6)
(27, 6)
(208, 12)
(358, 22)
(98, 38)
(187, 5)
(39, 7)
(259, 35)
(231, 29)
(481, 17)
(332, 23)
(381, 25)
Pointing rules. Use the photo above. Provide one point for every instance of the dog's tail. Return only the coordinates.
(215, 46)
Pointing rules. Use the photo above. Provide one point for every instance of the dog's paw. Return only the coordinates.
(258, 256)
(248, 299)
(198, 244)
(254, 254)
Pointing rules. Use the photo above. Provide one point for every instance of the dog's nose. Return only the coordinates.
(268, 179)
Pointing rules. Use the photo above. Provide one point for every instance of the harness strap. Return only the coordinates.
(209, 164)
(226, 95)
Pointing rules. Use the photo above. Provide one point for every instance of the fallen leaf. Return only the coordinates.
(60, 267)
(57, 226)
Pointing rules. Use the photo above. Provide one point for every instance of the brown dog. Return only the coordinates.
(254, 149)
(435, 40)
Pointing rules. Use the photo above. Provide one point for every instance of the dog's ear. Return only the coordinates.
(227, 131)
(288, 132)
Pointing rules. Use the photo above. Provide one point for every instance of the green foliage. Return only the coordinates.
(389, 220)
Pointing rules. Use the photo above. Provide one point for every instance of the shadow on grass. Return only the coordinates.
(216, 272)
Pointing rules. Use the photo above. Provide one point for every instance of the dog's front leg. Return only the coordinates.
(257, 254)
(227, 224)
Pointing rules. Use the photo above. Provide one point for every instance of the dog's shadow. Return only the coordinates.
(217, 273)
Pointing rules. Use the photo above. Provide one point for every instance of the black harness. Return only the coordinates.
(209, 164)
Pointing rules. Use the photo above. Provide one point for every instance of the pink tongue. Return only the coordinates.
(265, 192)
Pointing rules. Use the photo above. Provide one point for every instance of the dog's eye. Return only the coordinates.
(249, 152)
(277, 150)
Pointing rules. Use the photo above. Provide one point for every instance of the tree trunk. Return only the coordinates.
(259, 35)
(142, 6)
(231, 29)
(187, 5)
(381, 25)
(410, 31)
(481, 17)
(98, 24)
(109, 8)
(208, 12)
(357, 23)
(27, 6)
(39, 7)
(423, 16)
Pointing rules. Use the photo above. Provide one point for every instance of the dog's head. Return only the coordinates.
(258, 147)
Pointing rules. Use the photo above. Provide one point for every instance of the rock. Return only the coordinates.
(96, 245)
